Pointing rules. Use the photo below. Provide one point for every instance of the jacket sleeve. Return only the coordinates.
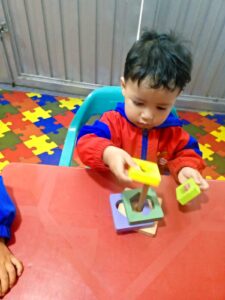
(93, 139)
(186, 153)
(7, 211)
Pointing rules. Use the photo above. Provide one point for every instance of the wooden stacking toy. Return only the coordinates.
(142, 207)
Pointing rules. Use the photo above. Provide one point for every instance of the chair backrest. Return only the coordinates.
(96, 103)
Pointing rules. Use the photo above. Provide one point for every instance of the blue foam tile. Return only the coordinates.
(51, 159)
(3, 101)
(49, 125)
(75, 109)
(219, 118)
(44, 99)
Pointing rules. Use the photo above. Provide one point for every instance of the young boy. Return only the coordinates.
(10, 266)
(157, 68)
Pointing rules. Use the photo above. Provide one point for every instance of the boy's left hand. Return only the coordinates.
(187, 172)
(10, 268)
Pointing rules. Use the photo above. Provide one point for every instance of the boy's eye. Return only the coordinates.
(161, 108)
(138, 103)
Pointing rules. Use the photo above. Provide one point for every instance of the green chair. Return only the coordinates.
(96, 103)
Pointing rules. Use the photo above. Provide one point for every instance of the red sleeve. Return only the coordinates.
(186, 153)
(90, 147)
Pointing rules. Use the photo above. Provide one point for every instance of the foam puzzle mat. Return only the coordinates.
(33, 127)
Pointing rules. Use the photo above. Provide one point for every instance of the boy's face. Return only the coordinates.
(147, 107)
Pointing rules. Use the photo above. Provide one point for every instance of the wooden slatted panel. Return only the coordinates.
(202, 22)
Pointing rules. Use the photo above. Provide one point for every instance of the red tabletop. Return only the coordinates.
(65, 236)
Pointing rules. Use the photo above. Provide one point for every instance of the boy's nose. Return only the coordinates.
(147, 115)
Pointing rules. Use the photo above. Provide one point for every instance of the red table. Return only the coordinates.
(64, 234)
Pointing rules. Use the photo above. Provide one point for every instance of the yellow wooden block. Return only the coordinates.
(147, 174)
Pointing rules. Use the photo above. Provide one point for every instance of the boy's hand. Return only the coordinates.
(10, 268)
(118, 161)
(187, 172)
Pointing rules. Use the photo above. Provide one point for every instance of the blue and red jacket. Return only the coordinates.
(7, 211)
(168, 145)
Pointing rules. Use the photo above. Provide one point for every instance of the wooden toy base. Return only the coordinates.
(154, 212)
(151, 230)
(120, 221)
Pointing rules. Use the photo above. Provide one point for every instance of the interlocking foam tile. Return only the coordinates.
(3, 162)
(40, 144)
(4, 109)
(70, 103)
(218, 147)
(54, 108)
(27, 131)
(218, 163)
(48, 125)
(36, 114)
(9, 140)
(189, 116)
(206, 124)
(210, 172)
(218, 118)
(206, 113)
(219, 134)
(206, 151)
(194, 130)
(65, 119)
(43, 99)
(16, 121)
(46, 118)
(4, 128)
(20, 151)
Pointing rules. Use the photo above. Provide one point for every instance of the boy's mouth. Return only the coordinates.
(144, 125)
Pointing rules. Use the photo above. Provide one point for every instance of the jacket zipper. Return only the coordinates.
(144, 147)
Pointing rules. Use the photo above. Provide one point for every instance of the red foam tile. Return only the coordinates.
(29, 130)
(189, 116)
(16, 120)
(16, 97)
(65, 119)
(211, 140)
(207, 124)
(21, 151)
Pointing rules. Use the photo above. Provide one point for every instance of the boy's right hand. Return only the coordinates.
(118, 161)
(10, 268)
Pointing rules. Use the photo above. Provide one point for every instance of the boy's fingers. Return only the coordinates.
(4, 282)
(204, 185)
(18, 265)
(197, 177)
(12, 274)
(130, 162)
(121, 175)
(182, 178)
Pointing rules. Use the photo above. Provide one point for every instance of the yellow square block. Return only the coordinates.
(147, 174)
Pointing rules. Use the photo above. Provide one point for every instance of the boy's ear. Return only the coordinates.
(122, 84)
(179, 92)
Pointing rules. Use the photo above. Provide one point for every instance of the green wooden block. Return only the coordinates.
(185, 195)
(149, 213)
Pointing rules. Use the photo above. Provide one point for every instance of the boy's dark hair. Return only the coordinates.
(163, 59)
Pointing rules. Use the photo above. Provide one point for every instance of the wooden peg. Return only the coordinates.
(139, 205)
